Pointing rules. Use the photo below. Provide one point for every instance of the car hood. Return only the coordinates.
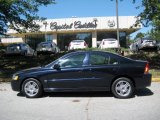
(31, 70)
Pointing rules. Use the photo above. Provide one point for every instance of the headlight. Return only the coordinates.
(15, 77)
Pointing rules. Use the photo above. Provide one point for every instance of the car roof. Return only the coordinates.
(77, 40)
(110, 39)
(45, 42)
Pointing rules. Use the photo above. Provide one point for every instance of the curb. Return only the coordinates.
(155, 79)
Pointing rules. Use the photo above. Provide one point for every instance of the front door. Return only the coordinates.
(70, 75)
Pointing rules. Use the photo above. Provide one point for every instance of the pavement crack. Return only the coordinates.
(87, 108)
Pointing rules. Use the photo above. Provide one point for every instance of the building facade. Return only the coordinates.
(90, 29)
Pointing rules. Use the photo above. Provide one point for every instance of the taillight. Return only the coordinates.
(146, 70)
(85, 44)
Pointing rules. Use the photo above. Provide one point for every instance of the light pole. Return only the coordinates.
(117, 18)
(45, 24)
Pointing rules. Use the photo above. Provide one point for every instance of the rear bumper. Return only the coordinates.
(45, 52)
(143, 81)
(148, 47)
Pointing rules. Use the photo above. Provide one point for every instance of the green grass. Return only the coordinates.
(155, 73)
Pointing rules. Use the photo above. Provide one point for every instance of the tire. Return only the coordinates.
(137, 49)
(122, 88)
(32, 88)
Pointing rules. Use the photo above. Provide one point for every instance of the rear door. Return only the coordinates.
(101, 70)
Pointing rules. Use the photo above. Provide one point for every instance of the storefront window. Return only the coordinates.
(33, 40)
(104, 35)
(122, 38)
(49, 38)
(63, 40)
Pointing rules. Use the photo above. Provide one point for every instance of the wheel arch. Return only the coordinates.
(125, 76)
(30, 78)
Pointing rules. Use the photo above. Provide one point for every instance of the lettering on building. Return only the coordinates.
(55, 26)
(76, 25)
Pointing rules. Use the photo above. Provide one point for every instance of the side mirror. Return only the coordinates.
(57, 67)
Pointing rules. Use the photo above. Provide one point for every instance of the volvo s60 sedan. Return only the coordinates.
(85, 71)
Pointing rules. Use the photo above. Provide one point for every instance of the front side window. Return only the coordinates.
(72, 61)
(113, 61)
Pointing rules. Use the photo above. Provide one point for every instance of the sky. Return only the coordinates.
(91, 8)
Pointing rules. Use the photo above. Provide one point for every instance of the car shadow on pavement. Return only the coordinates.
(78, 94)
(138, 93)
(143, 92)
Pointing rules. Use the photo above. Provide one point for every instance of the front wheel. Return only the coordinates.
(122, 88)
(32, 88)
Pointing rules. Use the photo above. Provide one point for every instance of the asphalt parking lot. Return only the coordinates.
(145, 105)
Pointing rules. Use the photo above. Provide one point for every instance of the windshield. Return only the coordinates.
(45, 44)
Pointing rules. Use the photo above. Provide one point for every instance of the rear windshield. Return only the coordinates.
(77, 41)
(109, 39)
(45, 44)
(149, 39)
(14, 45)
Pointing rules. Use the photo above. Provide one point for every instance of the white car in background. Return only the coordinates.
(77, 44)
(109, 43)
(143, 44)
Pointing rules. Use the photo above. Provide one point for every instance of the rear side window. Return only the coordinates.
(99, 59)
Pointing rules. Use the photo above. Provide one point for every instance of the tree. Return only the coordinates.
(139, 35)
(20, 15)
(150, 13)
(150, 16)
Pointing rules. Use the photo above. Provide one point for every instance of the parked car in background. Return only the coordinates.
(47, 47)
(109, 43)
(143, 44)
(21, 49)
(158, 45)
(85, 71)
(77, 44)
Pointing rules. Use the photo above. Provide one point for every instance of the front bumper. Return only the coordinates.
(16, 85)
(143, 81)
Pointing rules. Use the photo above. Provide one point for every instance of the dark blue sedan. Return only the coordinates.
(85, 71)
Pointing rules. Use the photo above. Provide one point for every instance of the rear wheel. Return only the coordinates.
(122, 88)
(32, 88)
